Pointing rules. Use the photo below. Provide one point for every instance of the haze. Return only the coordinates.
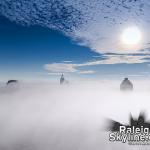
(46, 116)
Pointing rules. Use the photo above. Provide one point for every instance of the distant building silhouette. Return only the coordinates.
(126, 85)
(62, 79)
(12, 82)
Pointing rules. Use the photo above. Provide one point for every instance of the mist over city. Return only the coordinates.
(69, 68)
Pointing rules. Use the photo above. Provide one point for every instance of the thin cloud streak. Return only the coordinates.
(110, 59)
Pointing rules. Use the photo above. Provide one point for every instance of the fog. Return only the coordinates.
(48, 116)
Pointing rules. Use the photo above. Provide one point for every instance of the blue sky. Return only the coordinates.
(25, 50)
(35, 48)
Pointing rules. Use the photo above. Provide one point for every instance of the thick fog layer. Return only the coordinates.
(46, 116)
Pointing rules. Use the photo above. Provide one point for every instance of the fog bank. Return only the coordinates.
(69, 117)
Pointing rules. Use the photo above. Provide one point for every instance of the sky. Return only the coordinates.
(42, 39)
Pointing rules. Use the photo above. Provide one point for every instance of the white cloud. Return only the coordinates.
(118, 59)
(94, 23)
(60, 67)
(109, 59)
(67, 61)
(107, 19)
(87, 72)
(53, 73)
(57, 68)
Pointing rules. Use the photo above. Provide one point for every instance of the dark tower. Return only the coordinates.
(126, 85)
(62, 79)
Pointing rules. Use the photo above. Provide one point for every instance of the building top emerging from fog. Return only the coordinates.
(126, 85)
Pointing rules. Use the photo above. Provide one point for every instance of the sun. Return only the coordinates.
(131, 36)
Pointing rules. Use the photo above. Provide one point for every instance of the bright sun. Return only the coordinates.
(131, 36)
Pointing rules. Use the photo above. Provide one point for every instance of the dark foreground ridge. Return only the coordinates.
(114, 126)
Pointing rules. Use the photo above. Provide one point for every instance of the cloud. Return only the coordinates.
(118, 59)
(93, 23)
(60, 67)
(54, 14)
(87, 72)
(106, 59)
(67, 61)
(57, 68)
